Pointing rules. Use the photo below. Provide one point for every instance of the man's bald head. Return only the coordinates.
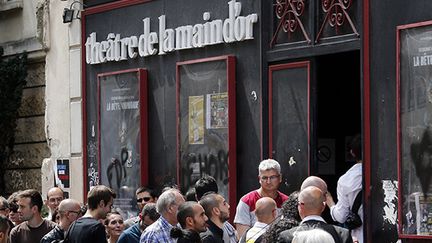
(314, 181)
(69, 204)
(54, 197)
(265, 210)
(311, 201)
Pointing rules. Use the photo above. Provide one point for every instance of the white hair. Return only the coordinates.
(269, 164)
(165, 200)
(313, 236)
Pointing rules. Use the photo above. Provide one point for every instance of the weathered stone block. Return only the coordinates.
(22, 179)
(30, 129)
(28, 155)
(36, 74)
(33, 102)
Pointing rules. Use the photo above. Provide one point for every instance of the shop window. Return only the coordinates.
(206, 129)
(414, 73)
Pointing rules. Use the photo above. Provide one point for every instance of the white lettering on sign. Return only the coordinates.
(115, 48)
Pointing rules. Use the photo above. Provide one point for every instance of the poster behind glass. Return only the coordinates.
(120, 138)
(416, 134)
(204, 123)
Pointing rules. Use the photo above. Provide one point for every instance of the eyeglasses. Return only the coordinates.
(272, 178)
(13, 208)
(145, 199)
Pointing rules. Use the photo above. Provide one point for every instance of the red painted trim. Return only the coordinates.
(232, 133)
(273, 68)
(398, 132)
(366, 122)
(84, 106)
(144, 145)
(413, 25)
(112, 6)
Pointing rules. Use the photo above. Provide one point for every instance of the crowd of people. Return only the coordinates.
(203, 215)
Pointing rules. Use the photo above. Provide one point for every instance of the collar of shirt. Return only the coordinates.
(313, 217)
(260, 225)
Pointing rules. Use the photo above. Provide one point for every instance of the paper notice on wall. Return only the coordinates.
(390, 199)
(196, 120)
(217, 110)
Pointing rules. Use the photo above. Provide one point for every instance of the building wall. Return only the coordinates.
(49, 124)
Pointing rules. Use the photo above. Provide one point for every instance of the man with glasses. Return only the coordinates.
(69, 211)
(144, 195)
(54, 196)
(89, 228)
(269, 176)
(34, 226)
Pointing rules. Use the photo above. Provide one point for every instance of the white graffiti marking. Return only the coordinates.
(390, 198)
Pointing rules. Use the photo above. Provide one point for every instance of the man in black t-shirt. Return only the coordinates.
(88, 228)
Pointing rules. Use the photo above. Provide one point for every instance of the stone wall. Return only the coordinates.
(23, 169)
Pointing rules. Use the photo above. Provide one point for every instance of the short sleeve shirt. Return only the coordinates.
(245, 209)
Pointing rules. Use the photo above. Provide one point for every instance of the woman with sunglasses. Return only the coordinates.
(114, 226)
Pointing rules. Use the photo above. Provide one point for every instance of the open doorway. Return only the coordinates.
(338, 114)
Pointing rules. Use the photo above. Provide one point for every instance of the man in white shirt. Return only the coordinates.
(265, 212)
(348, 186)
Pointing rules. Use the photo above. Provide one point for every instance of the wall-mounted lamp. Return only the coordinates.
(69, 13)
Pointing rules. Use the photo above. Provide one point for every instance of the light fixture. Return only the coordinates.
(68, 13)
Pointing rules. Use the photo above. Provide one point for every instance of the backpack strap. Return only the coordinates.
(357, 202)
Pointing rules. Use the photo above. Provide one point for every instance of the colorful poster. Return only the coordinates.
(196, 120)
(217, 110)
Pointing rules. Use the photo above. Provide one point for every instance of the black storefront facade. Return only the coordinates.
(177, 89)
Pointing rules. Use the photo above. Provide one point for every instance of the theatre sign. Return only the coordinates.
(235, 28)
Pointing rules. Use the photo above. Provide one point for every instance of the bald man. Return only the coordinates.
(311, 205)
(314, 181)
(265, 212)
(54, 197)
(69, 211)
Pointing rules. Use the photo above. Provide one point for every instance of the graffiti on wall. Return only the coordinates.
(196, 165)
(421, 155)
(390, 200)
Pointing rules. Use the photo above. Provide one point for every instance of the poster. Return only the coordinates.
(217, 110)
(120, 138)
(196, 120)
(415, 119)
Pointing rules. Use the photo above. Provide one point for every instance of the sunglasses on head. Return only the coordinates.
(145, 199)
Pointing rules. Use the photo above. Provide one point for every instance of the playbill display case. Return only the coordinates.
(206, 118)
(414, 117)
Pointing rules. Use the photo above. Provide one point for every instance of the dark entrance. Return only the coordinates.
(338, 114)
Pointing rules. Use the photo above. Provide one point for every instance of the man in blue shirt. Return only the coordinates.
(148, 216)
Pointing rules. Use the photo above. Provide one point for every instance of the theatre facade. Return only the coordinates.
(174, 90)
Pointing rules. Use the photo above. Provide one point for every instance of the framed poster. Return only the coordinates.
(206, 132)
(122, 130)
(414, 134)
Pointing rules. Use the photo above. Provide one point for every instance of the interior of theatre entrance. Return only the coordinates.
(337, 109)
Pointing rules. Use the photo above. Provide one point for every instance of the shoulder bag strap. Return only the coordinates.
(357, 202)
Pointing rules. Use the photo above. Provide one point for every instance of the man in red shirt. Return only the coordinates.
(270, 178)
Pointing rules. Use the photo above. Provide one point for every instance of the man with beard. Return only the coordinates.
(217, 211)
(34, 226)
(191, 216)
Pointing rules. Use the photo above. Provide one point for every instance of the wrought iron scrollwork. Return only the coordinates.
(289, 13)
(336, 13)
